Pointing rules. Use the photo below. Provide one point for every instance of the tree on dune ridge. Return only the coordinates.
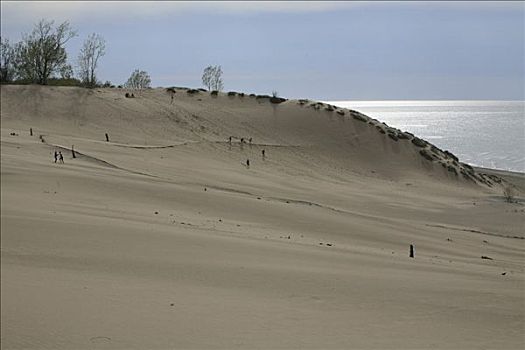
(138, 80)
(212, 78)
(7, 61)
(41, 54)
(93, 48)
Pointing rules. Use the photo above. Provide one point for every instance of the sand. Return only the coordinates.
(162, 238)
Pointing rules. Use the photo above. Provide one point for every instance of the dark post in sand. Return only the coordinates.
(73, 151)
(31, 131)
(411, 251)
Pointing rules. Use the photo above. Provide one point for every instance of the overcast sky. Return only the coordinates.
(320, 50)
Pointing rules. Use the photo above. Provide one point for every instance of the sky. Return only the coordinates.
(319, 50)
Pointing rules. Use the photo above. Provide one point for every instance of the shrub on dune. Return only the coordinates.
(277, 99)
(467, 166)
(403, 136)
(360, 117)
(450, 155)
(380, 129)
(393, 136)
(426, 154)
(418, 142)
(303, 101)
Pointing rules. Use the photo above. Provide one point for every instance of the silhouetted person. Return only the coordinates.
(56, 156)
(263, 153)
(250, 140)
(61, 157)
(242, 139)
(247, 163)
(230, 140)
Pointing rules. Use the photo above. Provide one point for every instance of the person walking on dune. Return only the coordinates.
(56, 156)
(248, 163)
(263, 154)
(61, 157)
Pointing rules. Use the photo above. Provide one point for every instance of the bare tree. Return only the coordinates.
(93, 48)
(7, 61)
(66, 72)
(138, 80)
(42, 53)
(212, 78)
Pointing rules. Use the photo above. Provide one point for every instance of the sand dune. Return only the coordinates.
(163, 238)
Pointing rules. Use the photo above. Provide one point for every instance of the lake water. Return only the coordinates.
(489, 134)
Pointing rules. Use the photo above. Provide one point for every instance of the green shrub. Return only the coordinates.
(403, 136)
(467, 166)
(277, 99)
(452, 169)
(418, 142)
(214, 93)
(467, 175)
(393, 136)
(427, 155)
(359, 117)
(450, 155)
(64, 82)
(303, 101)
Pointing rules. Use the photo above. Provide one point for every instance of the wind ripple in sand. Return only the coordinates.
(475, 231)
(152, 147)
(197, 142)
(100, 340)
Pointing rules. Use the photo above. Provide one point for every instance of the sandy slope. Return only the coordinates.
(161, 238)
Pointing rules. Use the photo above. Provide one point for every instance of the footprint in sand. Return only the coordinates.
(100, 340)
